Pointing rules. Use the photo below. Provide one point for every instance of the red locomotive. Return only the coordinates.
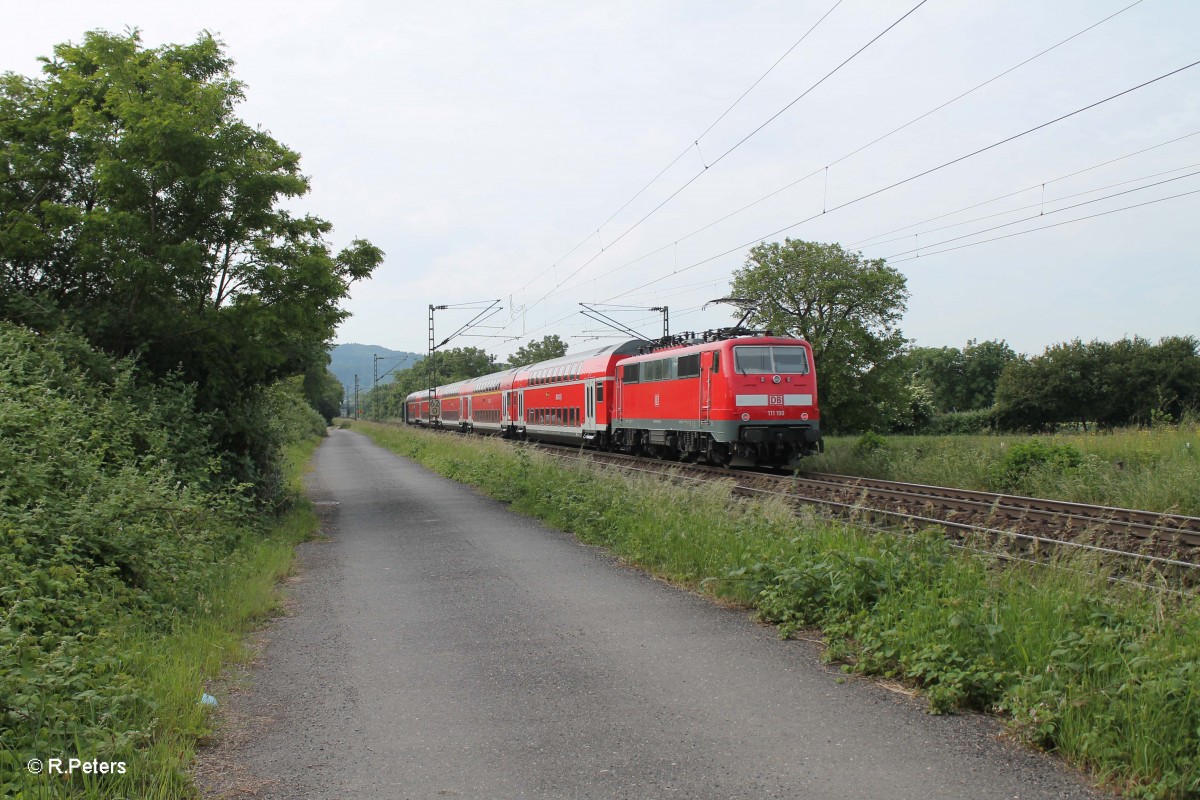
(732, 401)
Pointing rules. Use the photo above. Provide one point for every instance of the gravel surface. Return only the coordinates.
(439, 646)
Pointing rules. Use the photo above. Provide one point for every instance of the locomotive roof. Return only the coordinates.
(685, 348)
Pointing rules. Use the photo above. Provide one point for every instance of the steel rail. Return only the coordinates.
(968, 499)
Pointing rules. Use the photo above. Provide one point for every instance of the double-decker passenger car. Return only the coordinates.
(566, 399)
(750, 400)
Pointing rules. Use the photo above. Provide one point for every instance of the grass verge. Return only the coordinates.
(1109, 677)
(1157, 469)
(169, 672)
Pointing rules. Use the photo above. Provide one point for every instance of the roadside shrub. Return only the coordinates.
(290, 414)
(1024, 458)
(112, 521)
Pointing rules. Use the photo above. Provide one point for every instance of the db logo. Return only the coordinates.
(774, 399)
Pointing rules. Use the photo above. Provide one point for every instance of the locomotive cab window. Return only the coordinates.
(790, 359)
(752, 360)
(767, 360)
(630, 372)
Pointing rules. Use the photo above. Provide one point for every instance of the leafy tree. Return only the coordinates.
(455, 364)
(849, 309)
(982, 365)
(138, 208)
(940, 370)
(961, 380)
(324, 392)
(1108, 384)
(549, 347)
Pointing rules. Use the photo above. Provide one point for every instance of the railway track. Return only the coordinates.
(1018, 525)
(1069, 517)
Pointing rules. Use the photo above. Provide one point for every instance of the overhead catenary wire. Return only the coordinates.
(1054, 225)
(1026, 189)
(1041, 205)
(912, 178)
(925, 252)
(742, 141)
(677, 269)
(1043, 215)
(818, 171)
(979, 86)
(727, 152)
(695, 143)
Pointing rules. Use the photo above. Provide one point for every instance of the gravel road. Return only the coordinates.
(439, 646)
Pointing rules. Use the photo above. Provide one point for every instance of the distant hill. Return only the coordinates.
(348, 359)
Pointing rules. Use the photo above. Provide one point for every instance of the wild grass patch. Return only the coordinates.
(1108, 676)
(1157, 469)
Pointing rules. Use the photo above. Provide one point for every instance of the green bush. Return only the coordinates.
(1034, 456)
(870, 442)
(113, 522)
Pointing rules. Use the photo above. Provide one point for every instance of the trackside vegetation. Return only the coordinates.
(1108, 676)
(130, 566)
(1156, 468)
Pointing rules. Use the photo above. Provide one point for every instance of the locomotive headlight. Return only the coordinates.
(745, 417)
(776, 379)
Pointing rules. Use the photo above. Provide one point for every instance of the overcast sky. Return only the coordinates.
(490, 149)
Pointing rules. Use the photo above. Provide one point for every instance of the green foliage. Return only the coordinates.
(1109, 677)
(1022, 458)
(1131, 381)
(448, 366)
(961, 380)
(102, 519)
(849, 309)
(869, 442)
(138, 209)
(960, 422)
(549, 347)
(324, 392)
(1155, 469)
(117, 534)
(908, 409)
